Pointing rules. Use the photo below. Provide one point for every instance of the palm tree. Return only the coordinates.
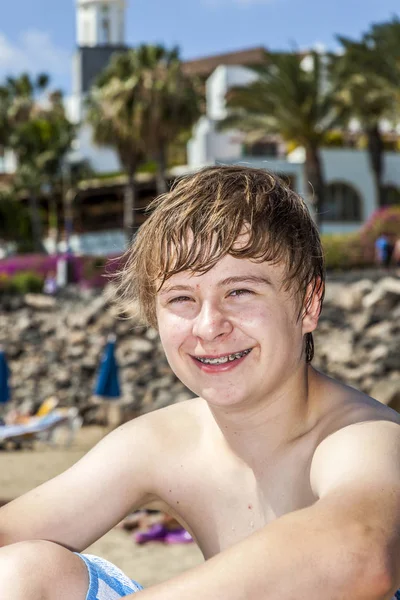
(364, 78)
(290, 97)
(171, 100)
(40, 136)
(116, 122)
(15, 224)
(141, 104)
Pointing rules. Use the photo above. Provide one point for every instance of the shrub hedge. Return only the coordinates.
(26, 273)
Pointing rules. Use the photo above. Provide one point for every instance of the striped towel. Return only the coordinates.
(106, 581)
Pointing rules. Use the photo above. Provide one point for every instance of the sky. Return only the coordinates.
(39, 35)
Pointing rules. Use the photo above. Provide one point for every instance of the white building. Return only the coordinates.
(100, 33)
(350, 187)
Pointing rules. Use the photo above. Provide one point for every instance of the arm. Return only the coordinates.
(79, 506)
(345, 546)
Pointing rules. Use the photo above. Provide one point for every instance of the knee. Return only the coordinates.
(36, 568)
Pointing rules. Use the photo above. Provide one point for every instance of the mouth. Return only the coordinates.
(222, 360)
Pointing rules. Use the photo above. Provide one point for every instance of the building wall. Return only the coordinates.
(89, 22)
(207, 143)
(345, 166)
(220, 81)
(89, 63)
(101, 159)
(8, 163)
(352, 167)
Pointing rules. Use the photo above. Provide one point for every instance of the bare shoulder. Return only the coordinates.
(360, 438)
(175, 424)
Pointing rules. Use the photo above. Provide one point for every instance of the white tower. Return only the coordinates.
(100, 23)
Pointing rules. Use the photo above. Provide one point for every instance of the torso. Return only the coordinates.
(218, 497)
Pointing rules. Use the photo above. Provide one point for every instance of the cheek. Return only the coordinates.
(172, 330)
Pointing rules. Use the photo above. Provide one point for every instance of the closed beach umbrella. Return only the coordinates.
(4, 376)
(107, 384)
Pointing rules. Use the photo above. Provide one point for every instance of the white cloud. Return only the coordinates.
(34, 52)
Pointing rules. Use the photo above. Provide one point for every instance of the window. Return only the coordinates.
(342, 203)
(106, 32)
(391, 195)
(262, 148)
(86, 32)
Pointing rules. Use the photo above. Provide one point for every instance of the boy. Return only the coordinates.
(288, 481)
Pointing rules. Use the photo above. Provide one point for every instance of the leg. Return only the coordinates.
(39, 570)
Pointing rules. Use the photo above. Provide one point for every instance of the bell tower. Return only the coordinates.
(100, 23)
(100, 33)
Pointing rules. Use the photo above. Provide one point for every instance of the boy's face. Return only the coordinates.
(232, 335)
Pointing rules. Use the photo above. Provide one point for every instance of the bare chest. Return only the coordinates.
(221, 503)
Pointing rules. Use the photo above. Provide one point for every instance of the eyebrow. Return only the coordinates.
(257, 280)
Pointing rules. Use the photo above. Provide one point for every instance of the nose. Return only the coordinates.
(211, 322)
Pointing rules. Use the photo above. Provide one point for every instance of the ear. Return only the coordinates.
(312, 306)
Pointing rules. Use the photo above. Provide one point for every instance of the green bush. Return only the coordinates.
(344, 251)
(23, 283)
(385, 220)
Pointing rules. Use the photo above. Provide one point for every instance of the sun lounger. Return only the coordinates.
(43, 428)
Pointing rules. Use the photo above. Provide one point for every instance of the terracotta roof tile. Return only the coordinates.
(205, 66)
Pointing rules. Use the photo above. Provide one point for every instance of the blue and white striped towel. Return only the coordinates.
(106, 581)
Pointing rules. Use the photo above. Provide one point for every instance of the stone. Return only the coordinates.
(387, 391)
(40, 301)
(142, 346)
(351, 297)
(386, 294)
(58, 351)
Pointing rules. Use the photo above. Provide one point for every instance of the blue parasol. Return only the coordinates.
(4, 376)
(107, 384)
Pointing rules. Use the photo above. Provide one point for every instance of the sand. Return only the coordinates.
(151, 563)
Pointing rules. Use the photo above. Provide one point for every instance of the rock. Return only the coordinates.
(338, 347)
(87, 315)
(387, 391)
(152, 334)
(40, 301)
(58, 350)
(76, 352)
(76, 338)
(142, 346)
(386, 295)
(350, 297)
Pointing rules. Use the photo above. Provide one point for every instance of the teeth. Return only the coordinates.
(223, 359)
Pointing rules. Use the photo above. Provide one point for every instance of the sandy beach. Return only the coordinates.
(151, 563)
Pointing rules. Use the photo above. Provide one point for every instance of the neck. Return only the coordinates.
(269, 426)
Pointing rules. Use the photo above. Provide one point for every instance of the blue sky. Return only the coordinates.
(39, 35)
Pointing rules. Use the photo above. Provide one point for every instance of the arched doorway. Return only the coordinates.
(391, 195)
(342, 203)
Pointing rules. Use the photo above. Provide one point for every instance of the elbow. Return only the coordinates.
(373, 576)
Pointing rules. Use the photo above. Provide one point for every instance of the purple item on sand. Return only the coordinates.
(159, 533)
(156, 533)
(178, 536)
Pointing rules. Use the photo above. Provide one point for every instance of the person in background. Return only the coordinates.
(384, 250)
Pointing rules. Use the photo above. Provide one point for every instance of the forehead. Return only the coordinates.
(229, 267)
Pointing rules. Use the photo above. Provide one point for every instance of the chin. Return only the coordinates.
(224, 398)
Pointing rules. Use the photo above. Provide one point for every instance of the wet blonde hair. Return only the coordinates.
(200, 220)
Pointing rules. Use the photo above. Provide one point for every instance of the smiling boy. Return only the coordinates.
(288, 480)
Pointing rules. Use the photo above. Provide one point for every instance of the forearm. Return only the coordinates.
(291, 558)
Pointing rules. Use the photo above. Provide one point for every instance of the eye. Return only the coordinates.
(240, 292)
(179, 299)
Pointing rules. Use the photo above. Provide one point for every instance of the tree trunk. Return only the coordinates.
(315, 181)
(161, 183)
(68, 206)
(129, 206)
(376, 159)
(36, 223)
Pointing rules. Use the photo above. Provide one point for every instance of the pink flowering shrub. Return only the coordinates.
(87, 271)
